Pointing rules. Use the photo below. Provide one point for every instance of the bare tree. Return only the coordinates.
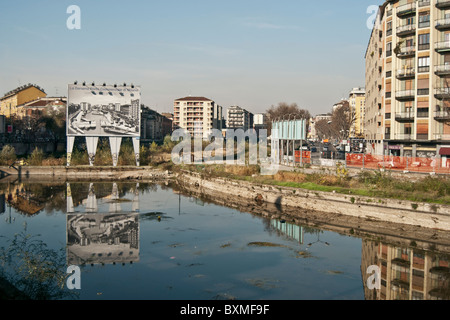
(340, 124)
(283, 110)
(342, 121)
(324, 129)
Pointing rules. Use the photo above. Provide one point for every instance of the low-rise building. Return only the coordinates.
(154, 126)
(19, 96)
(40, 106)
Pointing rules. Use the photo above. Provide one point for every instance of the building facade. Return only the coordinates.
(407, 79)
(41, 106)
(239, 118)
(154, 126)
(19, 96)
(357, 101)
(198, 115)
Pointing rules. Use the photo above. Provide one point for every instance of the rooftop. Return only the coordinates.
(20, 89)
(194, 99)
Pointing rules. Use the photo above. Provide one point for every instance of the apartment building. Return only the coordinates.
(154, 126)
(239, 118)
(19, 96)
(407, 79)
(198, 115)
(357, 101)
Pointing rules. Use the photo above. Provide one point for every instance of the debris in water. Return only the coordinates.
(265, 244)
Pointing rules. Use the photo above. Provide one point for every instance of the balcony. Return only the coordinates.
(442, 93)
(442, 70)
(424, 3)
(406, 30)
(442, 116)
(406, 9)
(442, 4)
(442, 137)
(405, 52)
(404, 117)
(404, 136)
(443, 46)
(405, 95)
(443, 24)
(406, 73)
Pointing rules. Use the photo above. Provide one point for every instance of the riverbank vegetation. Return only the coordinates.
(428, 189)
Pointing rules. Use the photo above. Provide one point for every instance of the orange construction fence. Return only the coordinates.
(304, 157)
(412, 164)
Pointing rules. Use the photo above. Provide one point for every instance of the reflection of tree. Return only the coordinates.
(34, 269)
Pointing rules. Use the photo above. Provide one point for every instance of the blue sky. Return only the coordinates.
(252, 53)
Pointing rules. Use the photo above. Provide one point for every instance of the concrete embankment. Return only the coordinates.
(76, 173)
(433, 216)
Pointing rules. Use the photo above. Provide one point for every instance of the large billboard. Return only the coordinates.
(97, 111)
(290, 130)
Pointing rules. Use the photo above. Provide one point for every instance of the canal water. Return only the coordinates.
(146, 241)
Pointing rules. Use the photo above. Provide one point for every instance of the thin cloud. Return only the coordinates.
(269, 26)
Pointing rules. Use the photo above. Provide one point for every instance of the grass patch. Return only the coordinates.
(373, 184)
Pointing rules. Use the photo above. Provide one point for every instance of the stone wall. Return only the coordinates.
(426, 215)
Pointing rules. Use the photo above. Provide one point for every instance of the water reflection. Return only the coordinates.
(407, 273)
(103, 227)
(102, 238)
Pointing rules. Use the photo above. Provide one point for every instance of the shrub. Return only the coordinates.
(36, 157)
(8, 155)
(127, 156)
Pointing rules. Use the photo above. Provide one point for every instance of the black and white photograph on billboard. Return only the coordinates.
(103, 111)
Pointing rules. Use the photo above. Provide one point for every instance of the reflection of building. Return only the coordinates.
(406, 273)
(198, 115)
(19, 96)
(24, 201)
(289, 230)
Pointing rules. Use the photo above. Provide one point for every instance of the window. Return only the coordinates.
(424, 41)
(424, 19)
(424, 64)
(388, 49)
(423, 86)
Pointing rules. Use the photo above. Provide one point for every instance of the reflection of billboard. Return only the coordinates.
(103, 111)
(102, 238)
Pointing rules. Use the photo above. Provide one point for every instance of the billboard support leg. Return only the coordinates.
(91, 143)
(136, 145)
(115, 143)
(70, 143)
